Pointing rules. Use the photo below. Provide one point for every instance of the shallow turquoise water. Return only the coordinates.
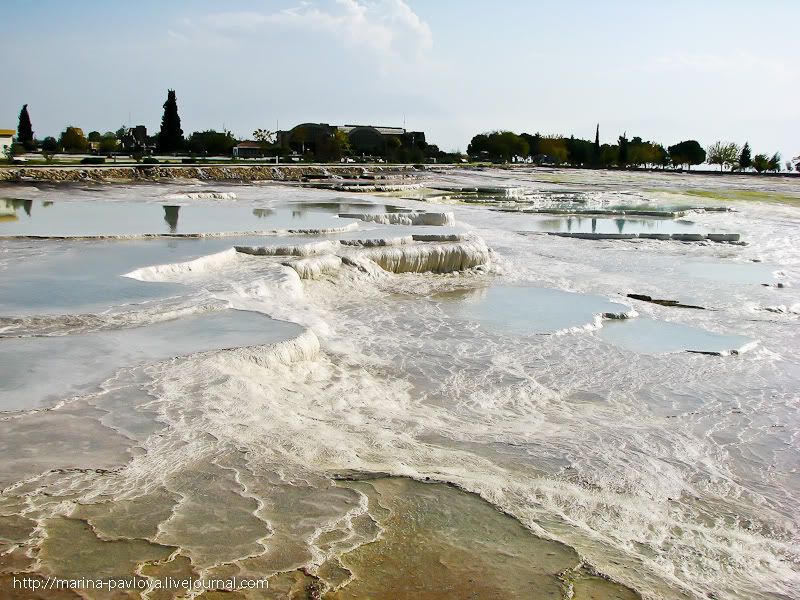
(26, 217)
(48, 276)
(531, 310)
(730, 272)
(39, 371)
(650, 336)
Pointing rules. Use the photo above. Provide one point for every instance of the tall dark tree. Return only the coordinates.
(596, 151)
(170, 138)
(24, 129)
(597, 141)
(745, 159)
(622, 161)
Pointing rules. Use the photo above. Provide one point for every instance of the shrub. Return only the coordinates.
(93, 160)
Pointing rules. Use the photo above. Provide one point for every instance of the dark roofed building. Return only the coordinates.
(305, 137)
(136, 140)
(248, 149)
(364, 139)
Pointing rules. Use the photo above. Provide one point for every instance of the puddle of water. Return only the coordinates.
(574, 224)
(23, 217)
(56, 276)
(38, 371)
(731, 272)
(530, 310)
(650, 336)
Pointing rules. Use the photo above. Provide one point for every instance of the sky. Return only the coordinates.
(665, 71)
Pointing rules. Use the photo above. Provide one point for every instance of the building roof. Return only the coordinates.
(8, 132)
(378, 128)
(249, 144)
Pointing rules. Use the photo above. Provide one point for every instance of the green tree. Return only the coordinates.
(299, 135)
(722, 154)
(73, 140)
(774, 163)
(393, 146)
(554, 147)
(580, 152)
(745, 160)
(25, 130)
(689, 153)
(211, 142)
(342, 144)
(499, 145)
(332, 147)
(760, 162)
(108, 142)
(533, 143)
(622, 158)
(50, 144)
(170, 137)
(662, 156)
(265, 136)
(94, 136)
(609, 155)
(641, 153)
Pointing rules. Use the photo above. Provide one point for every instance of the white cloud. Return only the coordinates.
(388, 28)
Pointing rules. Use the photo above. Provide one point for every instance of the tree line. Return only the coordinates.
(740, 158)
(507, 146)
(169, 139)
(495, 146)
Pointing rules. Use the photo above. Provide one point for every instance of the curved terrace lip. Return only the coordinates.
(77, 363)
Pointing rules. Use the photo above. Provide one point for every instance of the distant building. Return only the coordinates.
(248, 149)
(6, 138)
(364, 139)
(136, 140)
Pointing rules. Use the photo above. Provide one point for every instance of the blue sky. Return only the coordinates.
(666, 71)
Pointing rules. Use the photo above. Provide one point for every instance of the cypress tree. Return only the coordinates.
(597, 140)
(596, 148)
(24, 129)
(170, 138)
(745, 160)
(623, 150)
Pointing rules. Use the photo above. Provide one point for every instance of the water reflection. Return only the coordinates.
(11, 205)
(171, 217)
(263, 213)
(578, 224)
(68, 218)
